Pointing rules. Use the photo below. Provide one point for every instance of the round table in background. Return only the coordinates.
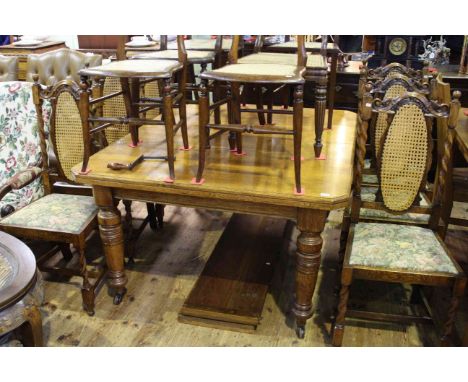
(21, 292)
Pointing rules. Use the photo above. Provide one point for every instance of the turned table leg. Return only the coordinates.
(309, 244)
(110, 229)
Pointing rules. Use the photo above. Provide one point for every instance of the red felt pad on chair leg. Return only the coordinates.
(133, 146)
(168, 180)
(240, 154)
(182, 148)
(85, 172)
(194, 181)
(321, 157)
(299, 193)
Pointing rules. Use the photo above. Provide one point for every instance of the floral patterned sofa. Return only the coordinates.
(20, 152)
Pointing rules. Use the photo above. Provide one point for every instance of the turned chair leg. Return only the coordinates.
(127, 97)
(160, 215)
(297, 128)
(457, 293)
(30, 332)
(236, 113)
(339, 324)
(129, 243)
(183, 106)
(259, 103)
(152, 219)
(169, 125)
(270, 95)
(320, 107)
(203, 119)
(87, 290)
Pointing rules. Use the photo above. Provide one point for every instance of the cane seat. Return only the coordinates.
(193, 56)
(136, 69)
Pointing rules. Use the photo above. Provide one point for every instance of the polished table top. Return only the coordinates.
(310, 46)
(265, 174)
(461, 133)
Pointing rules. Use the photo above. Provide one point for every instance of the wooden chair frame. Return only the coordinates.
(349, 272)
(136, 105)
(236, 128)
(52, 172)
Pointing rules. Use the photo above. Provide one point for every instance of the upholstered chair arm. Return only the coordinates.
(20, 180)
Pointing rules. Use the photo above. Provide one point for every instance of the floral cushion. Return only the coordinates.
(55, 212)
(393, 246)
(19, 139)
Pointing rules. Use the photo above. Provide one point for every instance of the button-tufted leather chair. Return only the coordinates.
(8, 68)
(58, 65)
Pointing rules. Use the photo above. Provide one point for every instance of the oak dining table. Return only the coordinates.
(259, 183)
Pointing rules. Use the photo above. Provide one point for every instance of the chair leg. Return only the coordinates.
(66, 251)
(129, 243)
(320, 107)
(259, 103)
(457, 293)
(183, 107)
(169, 125)
(339, 324)
(30, 332)
(160, 215)
(270, 105)
(297, 124)
(87, 290)
(203, 118)
(152, 219)
(236, 113)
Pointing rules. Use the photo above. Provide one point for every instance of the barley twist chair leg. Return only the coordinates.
(160, 215)
(339, 324)
(297, 128)
(202, 122)
(457, 293)
(152, 219)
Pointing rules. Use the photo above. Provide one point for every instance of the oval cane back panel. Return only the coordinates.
(68, 134)
(393, 91)
(151, 90)
(114, 107)
(404, 158)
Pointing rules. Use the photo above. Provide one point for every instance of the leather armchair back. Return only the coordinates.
(8, 68)
(58, 65)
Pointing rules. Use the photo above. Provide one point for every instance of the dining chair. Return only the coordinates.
(235, 74)
(457, 180)
(401, 253)
(316, 71)
(66, 213)
(194, 57)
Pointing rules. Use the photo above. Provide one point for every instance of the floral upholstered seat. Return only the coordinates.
(368, 195)
(19, 140)
(394, 246)
(55, 212)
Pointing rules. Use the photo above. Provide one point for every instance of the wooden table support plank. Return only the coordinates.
(234, 283)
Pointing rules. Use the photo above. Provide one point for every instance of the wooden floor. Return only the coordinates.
(167, 265)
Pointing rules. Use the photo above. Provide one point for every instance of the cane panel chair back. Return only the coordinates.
(393, 86)
(405, 156)
(69, 138)
(114, 107)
